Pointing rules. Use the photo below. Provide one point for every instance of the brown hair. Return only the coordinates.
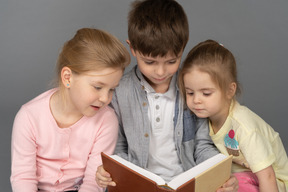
(211, 57)
(92, 49)
(157, 27)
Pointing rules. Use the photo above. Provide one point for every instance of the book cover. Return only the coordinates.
(205, 177)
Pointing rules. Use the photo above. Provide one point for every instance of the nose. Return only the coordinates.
(196, 98)
(105, 96)
(160, 70)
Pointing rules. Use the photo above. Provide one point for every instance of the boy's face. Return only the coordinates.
(158, 71)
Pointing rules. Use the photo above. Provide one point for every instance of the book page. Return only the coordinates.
(193, 172)
(139, 170)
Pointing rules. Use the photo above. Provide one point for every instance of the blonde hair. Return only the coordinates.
(92, 49)
(212, 58)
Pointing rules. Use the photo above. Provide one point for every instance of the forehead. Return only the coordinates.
(198, 78)
(103, 72)
(105, 76)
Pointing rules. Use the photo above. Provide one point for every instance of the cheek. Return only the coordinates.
(110, 98)
(173, 69)
(146, 69)
(189, 102)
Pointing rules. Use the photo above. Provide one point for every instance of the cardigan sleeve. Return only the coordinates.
(23, 154)
(105, 141)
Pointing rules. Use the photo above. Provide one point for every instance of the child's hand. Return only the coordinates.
(230, 186)
(103, 178)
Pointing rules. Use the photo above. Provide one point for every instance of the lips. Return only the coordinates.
(160, 79)
(96, 108)
(198, 110)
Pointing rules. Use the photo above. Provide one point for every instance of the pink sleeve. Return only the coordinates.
(105, 141)
(23, 154)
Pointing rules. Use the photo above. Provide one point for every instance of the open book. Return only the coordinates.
(207, 176)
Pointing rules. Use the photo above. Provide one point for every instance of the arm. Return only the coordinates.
(103, 178)
(267, 180)
(205, 147)
(23, 152)
(122, 145)
(105, 141)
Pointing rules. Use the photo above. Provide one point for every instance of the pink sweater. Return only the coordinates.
(49, 158)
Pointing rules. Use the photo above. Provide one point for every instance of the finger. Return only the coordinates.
(102, 171)
(226, 189)
(103, 178)
(104, 184)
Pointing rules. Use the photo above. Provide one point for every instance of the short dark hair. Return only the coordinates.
(156, 27)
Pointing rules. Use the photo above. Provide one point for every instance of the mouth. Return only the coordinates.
(198, 110)
(96, 108)
(160, 79)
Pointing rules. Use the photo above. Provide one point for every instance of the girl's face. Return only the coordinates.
(90, 92)
(204, 97)
(158, 71)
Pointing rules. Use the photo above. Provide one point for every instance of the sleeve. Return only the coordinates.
(205, 147)
(122, 145)
(23, 154)
(259, 157)
(105, 141)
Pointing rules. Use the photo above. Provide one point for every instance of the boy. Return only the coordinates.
(156, 132)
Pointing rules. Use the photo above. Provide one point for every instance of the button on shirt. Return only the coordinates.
(163, 159)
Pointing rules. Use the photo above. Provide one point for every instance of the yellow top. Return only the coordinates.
(258, 145)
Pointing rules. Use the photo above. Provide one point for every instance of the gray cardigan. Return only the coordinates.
(130, 103)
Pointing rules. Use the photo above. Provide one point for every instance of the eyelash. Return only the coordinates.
(99, 88)
(151, 62)
(205, 94)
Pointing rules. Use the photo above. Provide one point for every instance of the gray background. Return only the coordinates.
(33, 31)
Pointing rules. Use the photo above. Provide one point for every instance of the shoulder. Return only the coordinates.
(40, 99)
(129, 84)
(106, 113)
(128, 77)
(246, 118)
(39, 104)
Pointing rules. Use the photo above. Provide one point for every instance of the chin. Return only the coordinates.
(200, 115)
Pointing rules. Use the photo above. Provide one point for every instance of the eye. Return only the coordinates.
(112, 90)
(98, 88)
(172, 62)
(149, 62)
(189, 93)
(207, 94)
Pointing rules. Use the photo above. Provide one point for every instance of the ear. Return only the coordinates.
(131, 48)
(231, 90)
(66, 76)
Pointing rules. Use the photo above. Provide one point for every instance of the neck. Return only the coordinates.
(218, 120)
(62, 111)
